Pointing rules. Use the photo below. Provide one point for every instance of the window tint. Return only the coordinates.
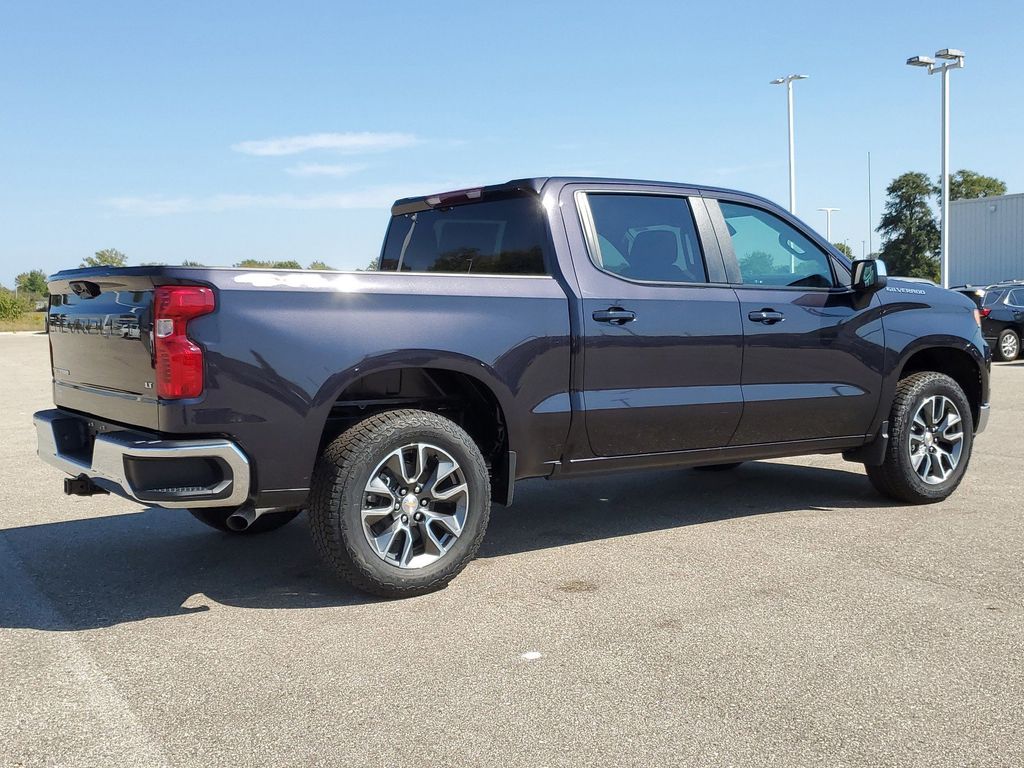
(1016, 297)
(992, 297)
(771, 252)
(493, 237)
(646, 237)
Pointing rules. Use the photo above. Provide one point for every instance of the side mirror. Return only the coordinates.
(869, 275)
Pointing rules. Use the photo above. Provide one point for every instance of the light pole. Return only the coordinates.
(788, 82)
(828, 222)
(954, 60)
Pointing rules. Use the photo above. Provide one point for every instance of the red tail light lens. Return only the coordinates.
(179, 361)
(986, 311)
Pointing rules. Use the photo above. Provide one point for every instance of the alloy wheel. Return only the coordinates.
(1008, 346)
(414, 505)
(936, 439)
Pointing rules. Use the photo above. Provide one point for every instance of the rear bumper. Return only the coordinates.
(142, 466)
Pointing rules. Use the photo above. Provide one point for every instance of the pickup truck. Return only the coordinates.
(548, 327)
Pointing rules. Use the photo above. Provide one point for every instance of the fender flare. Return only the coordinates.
(336, 384)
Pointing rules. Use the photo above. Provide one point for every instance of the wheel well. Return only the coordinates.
(457, 396)
(956, 364)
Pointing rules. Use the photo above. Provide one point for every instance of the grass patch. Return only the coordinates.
(30, 321)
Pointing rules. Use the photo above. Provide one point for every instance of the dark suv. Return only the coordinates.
(1002, 315)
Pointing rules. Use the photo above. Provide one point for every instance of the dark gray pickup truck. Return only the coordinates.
(540, 328)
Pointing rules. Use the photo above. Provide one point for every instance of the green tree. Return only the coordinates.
(33, 282)
(108, 257)
(910, 236)
(323, 266)
(967, 185)
(844, 249)
(12, 307)
(373, 266)
(257, 264)
(761, 263)
(190, 263)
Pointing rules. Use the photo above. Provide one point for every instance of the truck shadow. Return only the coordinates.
(99, 572)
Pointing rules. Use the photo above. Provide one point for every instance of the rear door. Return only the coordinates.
(1015, 304)
(813, 349)
(661, 331)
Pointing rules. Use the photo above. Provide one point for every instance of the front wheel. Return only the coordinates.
(400, 503)
(930, 440)
(1008, 345)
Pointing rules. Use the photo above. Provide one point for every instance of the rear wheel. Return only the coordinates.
(1008, 345)
(216, 517)
(930, 440)
(400, 503)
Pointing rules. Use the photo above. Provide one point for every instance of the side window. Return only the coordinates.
(646, 237)
(1016, 297)
(497, 237)
(771, 252)
(992, 297)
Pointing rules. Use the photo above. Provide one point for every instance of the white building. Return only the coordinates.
(986, 240)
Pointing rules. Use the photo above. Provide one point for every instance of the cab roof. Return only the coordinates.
(536, 186)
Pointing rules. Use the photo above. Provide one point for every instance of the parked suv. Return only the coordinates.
(1002, 315)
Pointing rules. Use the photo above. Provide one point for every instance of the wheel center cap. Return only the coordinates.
(929, 439)
(410, 504)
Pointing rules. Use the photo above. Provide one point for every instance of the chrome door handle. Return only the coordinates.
(766, 316)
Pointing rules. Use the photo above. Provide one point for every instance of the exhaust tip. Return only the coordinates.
(241, 519)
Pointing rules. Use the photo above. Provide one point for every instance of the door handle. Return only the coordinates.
(767, 316)
(615, 316)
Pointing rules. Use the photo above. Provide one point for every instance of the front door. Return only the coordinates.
(661, 328)
(813, 349)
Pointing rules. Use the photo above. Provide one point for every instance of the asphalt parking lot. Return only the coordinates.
(782, 614)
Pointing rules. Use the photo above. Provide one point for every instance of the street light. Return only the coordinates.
(954, 60)
(828, 222)
(788, 82)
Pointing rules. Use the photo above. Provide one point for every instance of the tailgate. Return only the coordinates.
(101, 344)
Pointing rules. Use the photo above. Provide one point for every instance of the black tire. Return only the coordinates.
(719, 467)
(896, 477)
(339, 487)
(1007, 345)
(216, 517)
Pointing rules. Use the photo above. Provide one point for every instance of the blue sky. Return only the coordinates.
(221, 131)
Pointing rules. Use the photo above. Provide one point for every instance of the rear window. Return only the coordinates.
(973, 294)
(497, 237)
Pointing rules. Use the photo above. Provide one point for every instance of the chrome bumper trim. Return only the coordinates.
(111, 448)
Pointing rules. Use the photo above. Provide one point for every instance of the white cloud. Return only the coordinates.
(321, 169)
(368, 198)
(352, 143)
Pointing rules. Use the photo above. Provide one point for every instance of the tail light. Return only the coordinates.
(179, 360)
(986, 311)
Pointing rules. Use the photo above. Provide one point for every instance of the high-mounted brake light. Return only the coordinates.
(179, 360)
(447, 198)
